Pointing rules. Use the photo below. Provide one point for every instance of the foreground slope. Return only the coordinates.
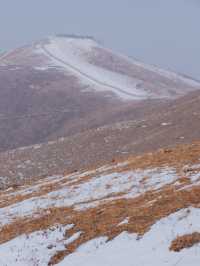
(144, 210)
(62, 86)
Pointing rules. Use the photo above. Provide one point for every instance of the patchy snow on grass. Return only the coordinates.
(89, 189)
(150, 250)
(37, 248)
(99, 188)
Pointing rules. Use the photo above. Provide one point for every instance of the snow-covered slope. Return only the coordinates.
(99, 69)
(72, 54)
(103, 70)
(150, 250)
(143, 211)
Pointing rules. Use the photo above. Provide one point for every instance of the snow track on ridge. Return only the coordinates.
(89, 77)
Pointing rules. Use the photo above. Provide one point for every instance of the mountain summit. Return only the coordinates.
(61, 86)
(100, 69)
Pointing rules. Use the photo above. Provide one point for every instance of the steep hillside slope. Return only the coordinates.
(34, 104)
(143, 210)
(64, 85)
(155, 127)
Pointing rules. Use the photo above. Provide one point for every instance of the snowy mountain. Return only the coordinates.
(84, 58)
(100, 69)
(62, 86)
(73, 117)
(141, 211)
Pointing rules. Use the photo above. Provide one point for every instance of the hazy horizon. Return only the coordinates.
(155, 32)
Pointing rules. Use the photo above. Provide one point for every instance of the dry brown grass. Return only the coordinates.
(177, 157)
(185, 241)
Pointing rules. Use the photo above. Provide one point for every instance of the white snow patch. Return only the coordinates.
(151, 250)
(125, 221)
(165, 124)
(36, 248)
(41, 68)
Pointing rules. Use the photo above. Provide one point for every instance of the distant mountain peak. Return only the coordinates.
(102, 70)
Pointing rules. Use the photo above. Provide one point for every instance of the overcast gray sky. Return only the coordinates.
(161, 32)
